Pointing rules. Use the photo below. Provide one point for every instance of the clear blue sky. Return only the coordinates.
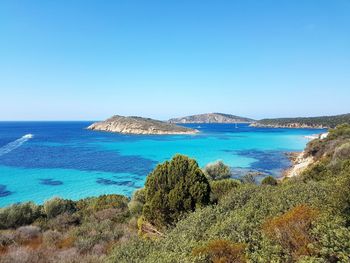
(87, 60)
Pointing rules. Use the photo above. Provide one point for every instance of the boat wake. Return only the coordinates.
(15, 144)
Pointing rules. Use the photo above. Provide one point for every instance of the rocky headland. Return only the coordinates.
(211, 118)
(139, 125)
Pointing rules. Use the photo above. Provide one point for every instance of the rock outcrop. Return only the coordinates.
(300, 163)
(139, 125)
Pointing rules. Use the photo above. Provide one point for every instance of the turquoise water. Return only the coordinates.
(39, 160)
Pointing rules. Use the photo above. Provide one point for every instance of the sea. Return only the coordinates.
(42, 160)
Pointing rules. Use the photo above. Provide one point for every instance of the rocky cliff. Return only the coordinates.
(139, 125)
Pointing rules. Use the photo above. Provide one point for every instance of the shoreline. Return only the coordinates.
(299, 164)
(298, 159)
(288, 126)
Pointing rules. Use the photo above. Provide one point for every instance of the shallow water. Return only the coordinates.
(39, 160)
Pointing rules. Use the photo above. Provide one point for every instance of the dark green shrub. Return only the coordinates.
(217, 171)
(342, 131)
(133, 251)
(269, 180)
(18, 215)
(94, 204)
(317, 171)
(57, 206)
(173, 189)
(221, 188)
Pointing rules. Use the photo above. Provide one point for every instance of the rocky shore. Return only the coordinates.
(299, 163)
(299, 159)
(139, 125)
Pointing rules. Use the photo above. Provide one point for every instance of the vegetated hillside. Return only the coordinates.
(211, 118)
(139, 125)
(185, 214)
(304, 219)
(305, 122)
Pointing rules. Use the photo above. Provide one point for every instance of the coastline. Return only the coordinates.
(288, 126)
(300, 162)
(98, 165)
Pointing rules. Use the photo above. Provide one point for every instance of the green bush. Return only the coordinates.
(217, 171)
(326, 147)
(317, 171)
(239, 218)
(94, 204)
(136, 250)
(57, 206)
(137, 201)
(19, 215)
(173, 189)
(135, 207)
(269, 180)
(221, 188)
(333, 239)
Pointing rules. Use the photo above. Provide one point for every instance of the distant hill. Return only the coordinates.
(139, 125)
(211, 118)
(304, 122)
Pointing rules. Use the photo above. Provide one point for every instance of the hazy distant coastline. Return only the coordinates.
(211, 118)
(321, 122)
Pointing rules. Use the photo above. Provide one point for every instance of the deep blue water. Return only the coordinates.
(39, 160)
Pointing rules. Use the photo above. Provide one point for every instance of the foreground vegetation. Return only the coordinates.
(187, 215)
(323, 121)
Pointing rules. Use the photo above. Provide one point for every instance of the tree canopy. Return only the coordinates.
(217, 171)
(173, 189)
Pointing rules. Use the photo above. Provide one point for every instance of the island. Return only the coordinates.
(322, 122)
(139, 125)
(211, 118)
